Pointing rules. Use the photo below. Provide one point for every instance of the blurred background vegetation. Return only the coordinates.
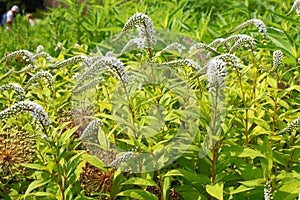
(91, 21)
(260, 103)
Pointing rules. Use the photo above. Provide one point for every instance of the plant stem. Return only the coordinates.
(275, 104)
(213, 132)
(246, 111)
(59, 180)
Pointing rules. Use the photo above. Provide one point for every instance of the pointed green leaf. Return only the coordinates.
(247, 152)
(138, 194)
(215, 190)
(139, 181)
(94, 161)
(34, 166)
(240, 189)
(192, 177)
(267, 150)
(35, 184)
(67, 134)
(166, 187)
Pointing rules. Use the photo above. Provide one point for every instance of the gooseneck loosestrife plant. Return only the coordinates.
(158, 118)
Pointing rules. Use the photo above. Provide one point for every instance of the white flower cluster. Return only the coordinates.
(28, 68)
(15, 87)
(76, 45)
(139, 43)
(227, 57)
(196, 47)
(277, 58)
(124, 158)
(217, 74)
(268, 191)
(110, 63)
(217, 42)
(234, 38)
(39, 75)
(36, 111)
(43, 54)
(72, 60)
(295, 7)
(92, 128)
(94, 59)
(241, 38)
(28, 57)
(25, 54)
(182, 62)
(39, 49)
(245, 40)
(144, 25)
(59, 46)
(116, 66)
(292, 126)
(109, 54)
(91, 84)
(258, 23)
(174, 46)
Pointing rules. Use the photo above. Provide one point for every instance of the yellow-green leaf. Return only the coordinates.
(215, 190)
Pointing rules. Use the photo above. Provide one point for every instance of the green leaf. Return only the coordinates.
(187, 192)
(267, 150)
(139, 181)
(94, 161)
(215, 190)
(253, 183)
(138, 194)
(247, 152)
(102, 138)
(66, 135)
(34, 166)
(192, 177)
(40, 194)
(166, 187)
(281, 43)
(73, 163)
(240, 189)
(293, 187)
(83, 197)
(35, 184)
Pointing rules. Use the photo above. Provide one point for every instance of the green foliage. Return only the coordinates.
(244, 139)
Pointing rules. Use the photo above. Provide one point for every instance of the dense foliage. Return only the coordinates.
(152, 100)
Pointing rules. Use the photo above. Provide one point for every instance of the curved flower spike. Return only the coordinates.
(196, 47)
(182, 62)
(41, 74)
(124, 158)
(295, 7)
(292, 126)
(25, 54)
(15, 87)
(243, 41)
(174, 46)
(277, 60)
(144, 25)
(217, 74)
(36, 111)
(227, 57)
(109, 63)
(69, 61)
(43, 54)
(91, 84)
(217, 42)
(135, 42)
(258, 23)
